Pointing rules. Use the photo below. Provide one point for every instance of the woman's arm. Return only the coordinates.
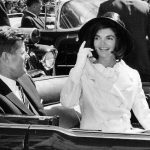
(72, 90)
(140, 107)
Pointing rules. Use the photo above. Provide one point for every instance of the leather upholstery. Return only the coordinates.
(49, 88)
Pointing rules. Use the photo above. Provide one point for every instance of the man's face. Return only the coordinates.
(17, 61)
(38, 7)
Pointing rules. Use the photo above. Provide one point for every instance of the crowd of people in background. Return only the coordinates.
(16, 6)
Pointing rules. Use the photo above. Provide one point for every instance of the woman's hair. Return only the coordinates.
(120, 47)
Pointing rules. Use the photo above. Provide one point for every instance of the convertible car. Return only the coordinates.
(70, 15)
(63, 26)
(44, 133)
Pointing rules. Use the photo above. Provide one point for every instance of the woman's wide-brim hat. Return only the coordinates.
(112, 19)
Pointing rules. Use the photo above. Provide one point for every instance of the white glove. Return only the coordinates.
(83, 54)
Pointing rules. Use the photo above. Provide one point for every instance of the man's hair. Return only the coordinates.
(8, 38)
(31, 2)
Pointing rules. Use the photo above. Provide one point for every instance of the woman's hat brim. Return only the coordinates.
(124, 33)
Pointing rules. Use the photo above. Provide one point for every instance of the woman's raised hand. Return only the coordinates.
(83, 54)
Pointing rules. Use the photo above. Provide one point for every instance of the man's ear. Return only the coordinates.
(5, 57)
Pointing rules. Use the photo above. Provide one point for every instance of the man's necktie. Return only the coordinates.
(24, 99)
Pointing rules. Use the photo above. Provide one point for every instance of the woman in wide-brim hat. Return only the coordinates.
(113, 20)
(105, 87)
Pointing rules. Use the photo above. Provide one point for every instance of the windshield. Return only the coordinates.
(76, 13)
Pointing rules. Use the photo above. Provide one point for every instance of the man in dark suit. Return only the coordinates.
(136, 16)
(12, 66)
(3, 15)
(16, 87)
(30, 18)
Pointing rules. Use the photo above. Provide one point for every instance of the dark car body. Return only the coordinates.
(63, 27)
(70, 16)
(47, 137)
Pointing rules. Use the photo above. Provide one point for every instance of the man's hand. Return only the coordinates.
(142, 6)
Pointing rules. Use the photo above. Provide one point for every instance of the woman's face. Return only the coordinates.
(105, 42)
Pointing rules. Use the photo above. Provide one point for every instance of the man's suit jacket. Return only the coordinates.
(10, 104)
(30, 20)
(136, 17)
(4, 20)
